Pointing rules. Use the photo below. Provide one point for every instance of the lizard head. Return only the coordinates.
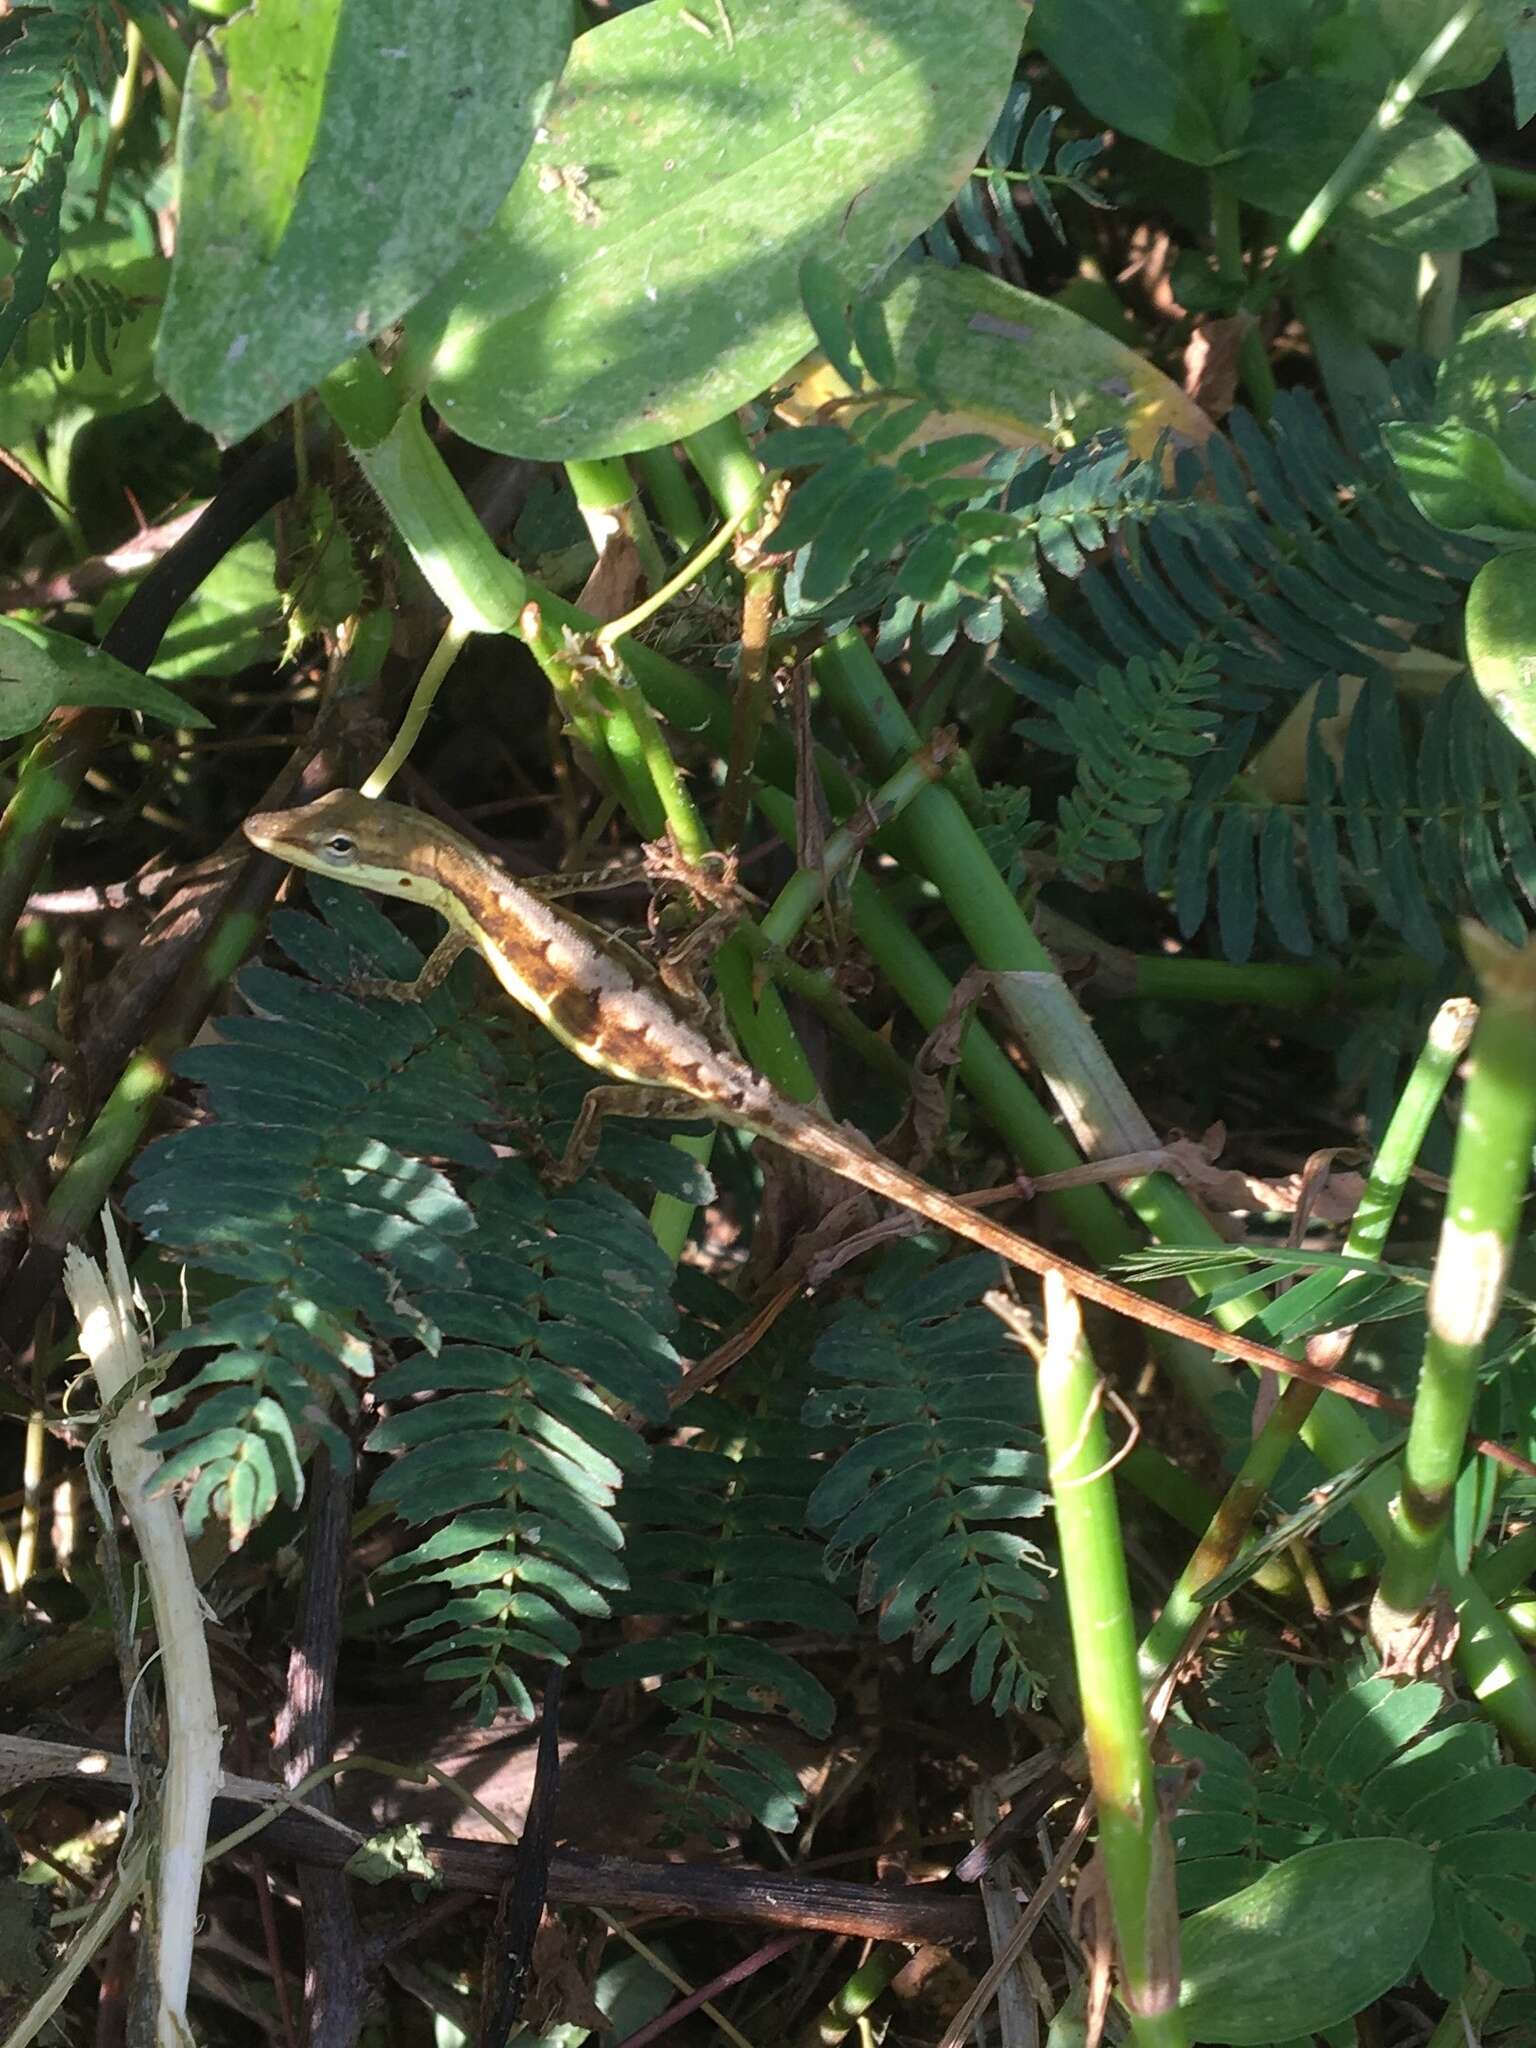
(371, 844)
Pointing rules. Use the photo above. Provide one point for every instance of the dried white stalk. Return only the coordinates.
(109, 1337)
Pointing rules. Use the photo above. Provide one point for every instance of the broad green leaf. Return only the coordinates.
(1313, 1942)
(1168, 73)
(1020, 369)
(1371, 286)
(1426, 187)
(1460, 479)
(335, 159)
(1487, 379)
(643, 277)
(232, 620)
(1517, 27)
(40, 670)
(1375, 41)
(1501, 641)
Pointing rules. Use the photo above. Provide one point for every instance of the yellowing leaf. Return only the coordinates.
(1023, 369)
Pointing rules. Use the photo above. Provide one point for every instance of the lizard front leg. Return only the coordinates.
(626, 1098)
(432, 976)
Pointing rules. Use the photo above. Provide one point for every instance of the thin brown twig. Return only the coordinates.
(738, 1973)
(335, 1963)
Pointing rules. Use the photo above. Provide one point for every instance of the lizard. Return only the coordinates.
(606, 1004)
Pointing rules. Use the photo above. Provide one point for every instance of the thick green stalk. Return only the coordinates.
(938, 838)
(1406, 1131)
(676, 507)
(605, 492)
(725, 459)
(483, 591)
(164, 45)
(1493, 1663)
(1490, 1176)
(1133, 1840)
(853, 1997)
(1513, 181)
(609, 746)
(45, 789)
(728, 463)
(1006, 1099)
(119, 1127)
(1280, 984)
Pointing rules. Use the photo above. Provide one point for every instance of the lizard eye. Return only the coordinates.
(341, 847)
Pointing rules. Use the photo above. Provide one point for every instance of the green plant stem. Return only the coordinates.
(1504, 1571)
(724, 458)
(1226, 232)
(1492, 1660)
(683, 820)
(1490, 1174)
(1401, 1144)
(690, 572)
(1512, 181)
(605, 492)
(853, 1997)
(45, 788)
(483, 591)
(119, 1127)
(433, 676)
(162, 42)
(676, 507)
(125, 98)
(1277, 984)
(1257, 374)
(1462, 2021)
(613, 767)
(1006, 1099)
(807, 887)
(1356, 167)
(820, 993)
(935, 835)
(1138, 1860)
(727, 462)
(1439, 301)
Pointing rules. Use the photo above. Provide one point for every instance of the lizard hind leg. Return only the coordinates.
(627, 1098)
(433, 974)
